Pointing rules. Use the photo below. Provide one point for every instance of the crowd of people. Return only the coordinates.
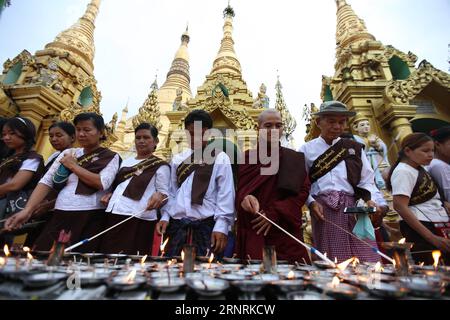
(84, 188)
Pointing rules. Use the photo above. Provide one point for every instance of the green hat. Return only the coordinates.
(334, 108)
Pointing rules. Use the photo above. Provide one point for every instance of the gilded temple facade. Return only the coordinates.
(224, 94)
(55, 83)
(383, 84)
(378, 81)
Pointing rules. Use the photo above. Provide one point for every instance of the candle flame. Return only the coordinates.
(335, 283)
(6, 250)
(26, 249)
(342, 266)
(335, 260)
(402, 241)
(131, 276)
(378, 267)
(169, 263)
(143, 260)
(355, 262)
(29, 257)
(394, 263)
(291, 275)
(325, 254)
(436, 256)
(211, 258)
(182, 255)
(163, 246)
(421, 264)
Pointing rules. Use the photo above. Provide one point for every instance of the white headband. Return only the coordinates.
(23, 121)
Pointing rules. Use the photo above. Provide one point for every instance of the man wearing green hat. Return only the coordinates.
(340, 175)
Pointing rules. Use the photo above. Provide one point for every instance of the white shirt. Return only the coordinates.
(218, 201)
(336, 179)
(440, 171)
(67, 200)
(403, 180)
(30, 165)
(119, 204)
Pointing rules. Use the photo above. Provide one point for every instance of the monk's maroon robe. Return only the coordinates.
(281, 197)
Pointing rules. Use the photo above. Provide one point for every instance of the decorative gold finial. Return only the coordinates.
(79, 38)
(289, 123)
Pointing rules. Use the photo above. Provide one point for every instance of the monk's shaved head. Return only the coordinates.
(266, 114)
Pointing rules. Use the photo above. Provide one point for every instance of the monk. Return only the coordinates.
(278, 195)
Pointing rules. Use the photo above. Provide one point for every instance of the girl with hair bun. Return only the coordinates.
(425, 222)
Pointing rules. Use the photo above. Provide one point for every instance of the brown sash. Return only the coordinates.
(202, 176)
(140, 175)
(94, 162)
(11, 165)
(344, 150)
(425, 188)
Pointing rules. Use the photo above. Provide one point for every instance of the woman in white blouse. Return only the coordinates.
(141, 187)
(21, 171)
(417, 200)
(78, 209)
(61, 137)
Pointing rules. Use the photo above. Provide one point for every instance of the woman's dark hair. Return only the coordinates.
(147, 126)
(64, 126)
(25, 129)
(411, 141)
(199, 115)
(4, 150)
(441, 135)
(96, 119)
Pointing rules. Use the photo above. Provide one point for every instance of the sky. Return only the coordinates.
(137, 40)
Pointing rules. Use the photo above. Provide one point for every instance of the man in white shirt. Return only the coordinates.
(201, 196)
(340, 176)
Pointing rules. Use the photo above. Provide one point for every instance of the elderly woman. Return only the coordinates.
(91, 171)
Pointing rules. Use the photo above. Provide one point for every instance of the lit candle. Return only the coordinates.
(211, 258)
(163, 246)
(436, 256)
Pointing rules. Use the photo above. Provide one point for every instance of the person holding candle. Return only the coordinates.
(91, 171)
(21, 170)
(62, 137)
(417, 199)
(279, 195)
(201, 197)
(141, 185)
(340, 175)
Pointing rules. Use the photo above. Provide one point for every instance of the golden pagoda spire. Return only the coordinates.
(226, 60)
(79, 38)
(149, 112)
(350, 28)
(289, 122)
(178, 75)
